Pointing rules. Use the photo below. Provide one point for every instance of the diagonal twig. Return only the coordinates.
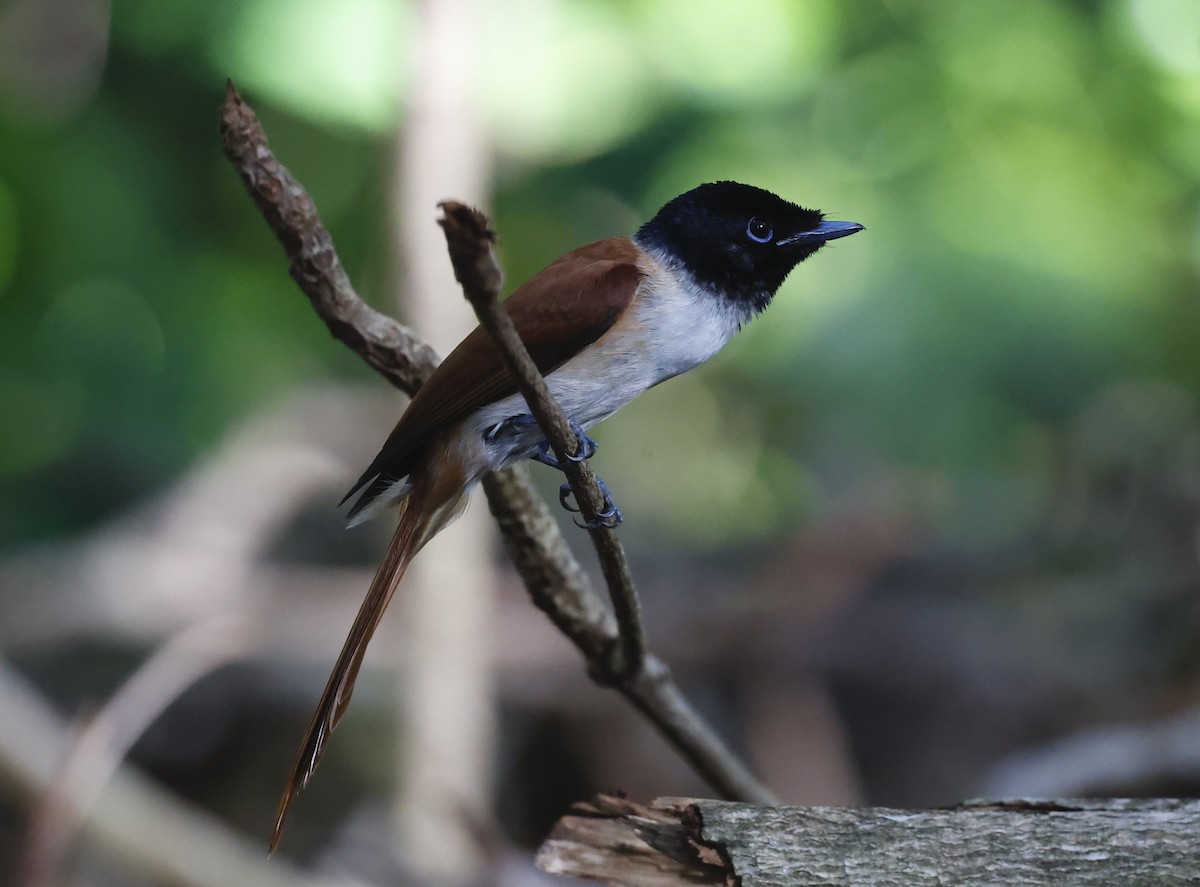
(553, 577)
(469, 238)
(390, 348)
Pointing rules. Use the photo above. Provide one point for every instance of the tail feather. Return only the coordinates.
(411, 533)
(381, 494)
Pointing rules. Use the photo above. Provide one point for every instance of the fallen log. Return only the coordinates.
(683, 841)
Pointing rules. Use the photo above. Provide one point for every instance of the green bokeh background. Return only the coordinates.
(1027, 176)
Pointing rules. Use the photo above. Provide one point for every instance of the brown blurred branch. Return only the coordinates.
(555, 581)
(1131, 758)
(469, 238)
(676, 841)
(102, 743)
(172, 840)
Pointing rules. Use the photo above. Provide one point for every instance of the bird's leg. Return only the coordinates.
(513, 426)
(587, 449)
(610, 515)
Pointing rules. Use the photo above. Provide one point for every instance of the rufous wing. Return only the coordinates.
(558, 312)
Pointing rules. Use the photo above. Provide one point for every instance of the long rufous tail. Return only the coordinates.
(425, 511)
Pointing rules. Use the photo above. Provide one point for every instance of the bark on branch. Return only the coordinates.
(390, 348)
(469, 238)
(674, 842)
(555, 581)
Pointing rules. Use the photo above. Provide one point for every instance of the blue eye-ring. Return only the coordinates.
(759, 230)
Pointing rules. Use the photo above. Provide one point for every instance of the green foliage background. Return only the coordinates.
(1027, 173)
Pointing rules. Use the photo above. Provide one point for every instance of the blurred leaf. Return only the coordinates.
(345, 63)
(560, 79)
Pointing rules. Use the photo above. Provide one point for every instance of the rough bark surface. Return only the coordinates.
(1024, 843)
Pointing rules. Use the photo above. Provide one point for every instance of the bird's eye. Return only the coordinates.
(759, 230)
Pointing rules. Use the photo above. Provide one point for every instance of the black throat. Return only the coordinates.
(716, 268)
(704, 232)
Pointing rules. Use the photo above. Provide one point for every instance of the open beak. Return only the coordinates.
(822, 233)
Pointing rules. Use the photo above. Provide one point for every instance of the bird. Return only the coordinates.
(603, 323)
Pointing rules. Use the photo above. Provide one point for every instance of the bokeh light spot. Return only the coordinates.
(341, 62)
(563, 82)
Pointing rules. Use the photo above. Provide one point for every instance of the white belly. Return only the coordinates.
(669, 329)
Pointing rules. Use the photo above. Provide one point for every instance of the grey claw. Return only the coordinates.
(587, 446)
(610, 517)
(565, 493)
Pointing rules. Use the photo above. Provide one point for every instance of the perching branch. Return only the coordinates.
(556, 583)
(677, 842)
(469, 238)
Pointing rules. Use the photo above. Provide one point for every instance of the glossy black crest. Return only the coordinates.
(716, 231)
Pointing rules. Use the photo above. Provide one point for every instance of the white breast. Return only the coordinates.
(672, 326)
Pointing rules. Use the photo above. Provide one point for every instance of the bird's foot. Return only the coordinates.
(609, 516)
(587, 448)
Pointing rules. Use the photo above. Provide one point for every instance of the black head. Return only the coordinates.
(739, 240)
